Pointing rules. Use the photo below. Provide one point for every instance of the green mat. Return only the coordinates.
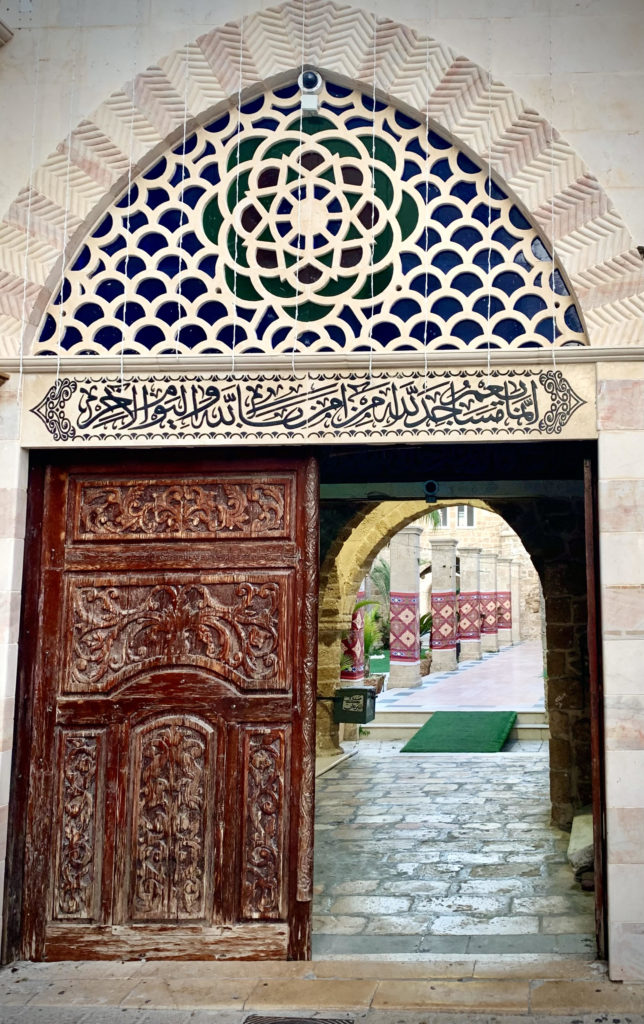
(462, 732)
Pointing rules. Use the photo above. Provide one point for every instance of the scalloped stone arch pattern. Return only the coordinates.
(270, 231)
(527, 154)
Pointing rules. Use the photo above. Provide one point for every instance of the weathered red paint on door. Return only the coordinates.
(170, 792)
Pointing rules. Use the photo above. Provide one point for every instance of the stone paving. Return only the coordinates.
(437, 853)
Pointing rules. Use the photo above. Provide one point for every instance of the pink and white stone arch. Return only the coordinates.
(50, 214)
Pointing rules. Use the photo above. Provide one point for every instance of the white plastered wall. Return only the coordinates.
(578, 63)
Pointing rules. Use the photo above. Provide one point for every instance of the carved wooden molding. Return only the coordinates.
(528, 154)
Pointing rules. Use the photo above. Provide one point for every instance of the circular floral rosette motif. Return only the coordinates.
(309, 224)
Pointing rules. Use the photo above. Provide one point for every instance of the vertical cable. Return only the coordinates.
(300, 198)
(372, 243)
(240, 85)
(489, 191)
(182, 190)
(552, 189)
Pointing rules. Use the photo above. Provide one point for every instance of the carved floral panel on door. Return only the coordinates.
(172, 762)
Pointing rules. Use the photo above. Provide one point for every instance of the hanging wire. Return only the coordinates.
(239, 129)
(182, 191)
(128, 240)
(427, 170)
(300, 199)
(372, 241)
(489, 192)
(70, 116)
(25, 270)
(552, 198)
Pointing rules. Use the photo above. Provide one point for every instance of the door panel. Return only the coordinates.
(172, 695)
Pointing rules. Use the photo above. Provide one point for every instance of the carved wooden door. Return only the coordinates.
(172, 695)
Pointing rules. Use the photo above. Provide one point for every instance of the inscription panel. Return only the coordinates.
(171, 841)
(232, 624)
(198, 508)
(77, 877)
(265, 764)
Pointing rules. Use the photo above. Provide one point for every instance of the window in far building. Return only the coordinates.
(465, 515)
(442, 516)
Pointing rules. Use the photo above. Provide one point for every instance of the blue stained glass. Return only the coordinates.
(129, 197)
(464, 190)
(320, 240)
(136, 221)
(467, 283)
(358, 122)
(48, 328)
(149, 335)
(537, 281)
(192, 195)
(171, 265)
(530, 344)
(151, 288)
(170, 311)
(517, 219)
(130, 312)
(287, 91)
(428, 190)
(367, 101)
(98, 269)
(64, 293)
(308, 338)
(253, 105)
(504, 237)
(387, 127)
(540, 250)
(425, 332)
(446, 260)
(493, 191)
(88, 313)
(112, 247)
(486, 213)
(405, 309)
(156, 170)
(270, 316)
(210, 173)
(103, 228)
(108, 336)
(437, 141)
(212, 311)
(467, 237)
(50, 352)
(208, 150)
(509, 329)
(280, 334)
(571, 319)
(181, 172)
(446, 346)
(191, 334)
(220, 123)
(442, 169)
(335, 206)
(173, 219)
(414, 146)
(385, 332)
(157, 196)
(244, 312)
(336, 333)
(190, 243)
(192, 287)
(208, 264)
(557, 283)
(336, 108)
(427, 238)
(425, 284)
(488, 306)
(71, 336)
(522, 261)
(351, 319)
(153, 242)
(319, 192)
(82, 259)
(408, 261)
(508, 282)
(186, 145)
(446, 213)
(405, 121)
(110, 289)
(547, 328)
(530, 305)
(447, 307)
(285, 207)
(467, 330)
(410, 170)
(467, 165)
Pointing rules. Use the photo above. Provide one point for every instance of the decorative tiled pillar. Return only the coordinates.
(443, 605)
(515, 591)
(353, 645)
(469, 604)
(404, 636)
(504, 601)
(489, 627)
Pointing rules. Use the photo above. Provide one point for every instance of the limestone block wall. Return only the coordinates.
(621, 509)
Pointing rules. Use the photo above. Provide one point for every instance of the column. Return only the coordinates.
(353, 645)
(515, 591)
(443, 605)
(489, 627)
(469, 604)
(404, 636)
(504, 601)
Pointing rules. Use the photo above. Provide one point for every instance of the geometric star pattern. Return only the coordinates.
(404, 635)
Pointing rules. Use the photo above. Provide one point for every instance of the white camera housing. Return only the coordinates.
(310, 83)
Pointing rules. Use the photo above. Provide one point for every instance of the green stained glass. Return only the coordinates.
(307, 311)
(376, 283)
(407, 216)
(212, 220)
(282, 148)
(237, 249)
(383, 152)
(337, 287)
(383, 244)
(241, 286)
(237, 190)
(383, 187)
(277, 286)
(312, 124)
(340, 147)
(244, 152)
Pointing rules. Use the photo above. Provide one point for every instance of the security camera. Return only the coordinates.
(310, 83)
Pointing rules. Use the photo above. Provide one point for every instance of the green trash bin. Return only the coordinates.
(354, 704)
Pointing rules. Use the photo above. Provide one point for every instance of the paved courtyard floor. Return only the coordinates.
(443, 854)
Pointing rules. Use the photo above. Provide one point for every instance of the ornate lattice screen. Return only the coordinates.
(354, 229)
